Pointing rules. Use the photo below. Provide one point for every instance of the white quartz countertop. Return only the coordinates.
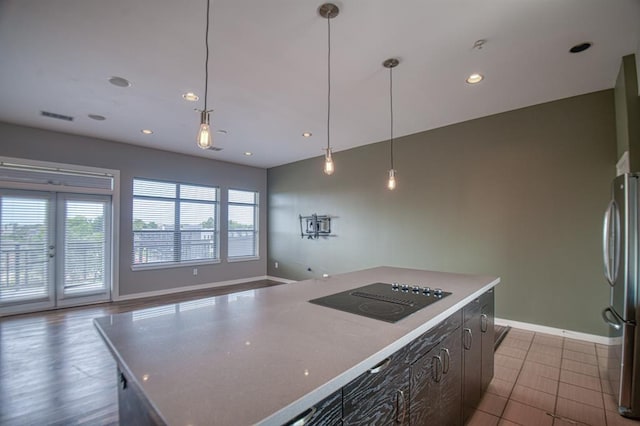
(263, 356)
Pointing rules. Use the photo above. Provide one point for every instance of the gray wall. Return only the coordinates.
(519, 195)
(134, 161)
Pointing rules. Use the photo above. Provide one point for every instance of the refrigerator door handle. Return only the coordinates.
(611, 318)
(611, 243)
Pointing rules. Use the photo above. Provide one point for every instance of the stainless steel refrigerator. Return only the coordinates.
(620, 247)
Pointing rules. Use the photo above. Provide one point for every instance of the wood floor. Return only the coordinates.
(55, 368)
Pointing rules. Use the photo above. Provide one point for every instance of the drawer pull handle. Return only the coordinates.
(484, 323)
(379, 367)
(304, 418)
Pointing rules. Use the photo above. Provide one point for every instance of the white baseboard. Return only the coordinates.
(593, 338)
(196, 287)
(282, 280)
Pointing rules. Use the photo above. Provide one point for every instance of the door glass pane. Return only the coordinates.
(85, 247)
(24, 257)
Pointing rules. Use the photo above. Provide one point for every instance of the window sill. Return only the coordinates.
(242, 259)
(173, 265)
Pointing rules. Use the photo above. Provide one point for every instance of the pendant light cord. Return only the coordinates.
(206, 61)
(328, 82)
(391, 109)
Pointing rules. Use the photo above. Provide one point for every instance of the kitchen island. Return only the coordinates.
(266, 356)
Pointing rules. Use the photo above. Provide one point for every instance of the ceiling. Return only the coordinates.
(268, 67)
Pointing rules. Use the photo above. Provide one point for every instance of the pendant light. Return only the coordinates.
(328, 11)
(205, 138)
(391, 64)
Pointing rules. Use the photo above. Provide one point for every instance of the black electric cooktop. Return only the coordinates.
(382, 301)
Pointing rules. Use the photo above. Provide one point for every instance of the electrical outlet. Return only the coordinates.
(276, 265)
(195, 271)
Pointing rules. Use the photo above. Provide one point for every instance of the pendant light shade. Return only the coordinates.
(328, 11)
(391, 64)
(204, 139)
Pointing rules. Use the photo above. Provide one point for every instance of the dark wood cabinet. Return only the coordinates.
(487, 328)
(478, 335)
(327, 412)
(472, 357)
(380, 395)
(436, 384)
(437, 379)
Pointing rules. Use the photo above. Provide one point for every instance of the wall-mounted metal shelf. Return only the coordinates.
(315, 226)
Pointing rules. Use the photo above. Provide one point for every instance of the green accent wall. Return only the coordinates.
(519, 195)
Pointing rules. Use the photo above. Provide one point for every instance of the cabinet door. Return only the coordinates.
(451, 382)
(472, 358)
(436, 385)
(327, 412)
(424, 408)
(379, 396)
(487, 329)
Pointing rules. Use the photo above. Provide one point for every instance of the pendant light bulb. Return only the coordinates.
(328, 163)
(390, 64)
(391, 184)
(204, 139)
(328, 11)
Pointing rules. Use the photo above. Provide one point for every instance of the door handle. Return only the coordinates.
(467, 332)
(434, 368)
(610, 318)
(484, 323)
(447, 360)
(611, 234)
(400, 413)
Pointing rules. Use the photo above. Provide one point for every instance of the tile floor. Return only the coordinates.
(549, 381)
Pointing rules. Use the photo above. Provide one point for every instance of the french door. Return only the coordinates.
(55, 250)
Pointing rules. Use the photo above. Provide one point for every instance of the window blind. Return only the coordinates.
(242, 224)
(174, 223)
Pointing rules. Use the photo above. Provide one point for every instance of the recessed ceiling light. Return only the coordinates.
(307, 134)
(146, 131)
(248, 153)
(119, 81)
(581, 47)
(190, 96)
(97, 117)
(475, 78)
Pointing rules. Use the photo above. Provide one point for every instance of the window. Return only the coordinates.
(174, 223)
(243, 224)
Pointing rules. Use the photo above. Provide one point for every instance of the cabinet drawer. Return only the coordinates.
(423, 344)
(327, 412)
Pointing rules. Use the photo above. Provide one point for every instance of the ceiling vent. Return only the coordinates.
(56, 116)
